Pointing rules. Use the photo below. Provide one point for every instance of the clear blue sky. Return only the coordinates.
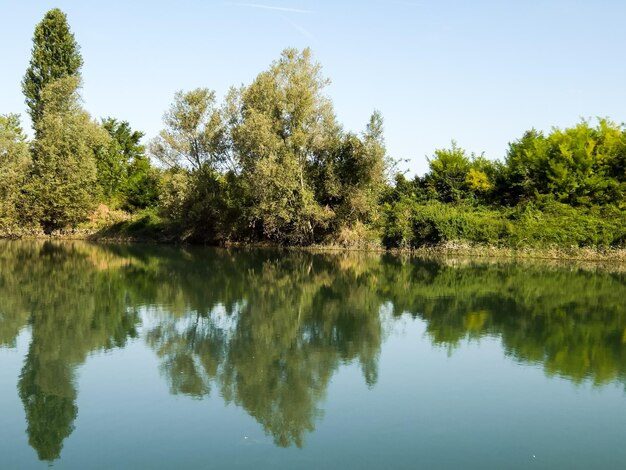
(479, 72)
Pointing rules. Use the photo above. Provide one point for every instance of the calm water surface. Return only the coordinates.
(159, 357)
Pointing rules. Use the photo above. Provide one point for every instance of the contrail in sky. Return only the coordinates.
(270, 7)
(300, 29)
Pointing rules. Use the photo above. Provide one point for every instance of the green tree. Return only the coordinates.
(284, 125)
(125, 175)
(270, 163)
(14, 163)
(55, 55)
(63, 186)
(449, 169)
(141, 189)
(581, 165)
(361, 165)
(194, 133)
(112, 163)
(194, 148)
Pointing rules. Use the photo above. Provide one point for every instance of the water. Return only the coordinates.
(160, 357)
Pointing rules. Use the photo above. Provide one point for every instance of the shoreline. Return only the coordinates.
(445, 250)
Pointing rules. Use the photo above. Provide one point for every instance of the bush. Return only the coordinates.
(550, 223)
(410, 224)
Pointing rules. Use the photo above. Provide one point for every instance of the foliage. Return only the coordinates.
(411, 224)
(125, 175)
(582, 165)
(14, 164)
(354, 177)
(55, 55)
(448, 173)
(143, 225)
(407, 223)
(174, 193)
(455, 177)
(62, 186)
(286, 121)
(564, 189)
(272, 163)
(194, 133)
(205, 203)
(141, 188)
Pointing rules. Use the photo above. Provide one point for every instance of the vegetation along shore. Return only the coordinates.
(271, 164)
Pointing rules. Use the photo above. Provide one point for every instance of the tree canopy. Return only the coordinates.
(55, 55)
(62, 187)
(14, 164)
(271, 162)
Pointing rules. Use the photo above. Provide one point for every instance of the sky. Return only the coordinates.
(477, 72)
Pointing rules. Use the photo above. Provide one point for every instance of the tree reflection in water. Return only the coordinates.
(267, 330)
(68, 294)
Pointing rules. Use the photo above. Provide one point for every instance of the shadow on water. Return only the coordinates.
(267, 330)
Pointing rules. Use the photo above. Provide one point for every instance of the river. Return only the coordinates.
(138, 356)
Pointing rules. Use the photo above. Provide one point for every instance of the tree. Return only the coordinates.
(55, 55)
(63, 186)
(194, 133)
(361, 166)
(142, 184)
(14, 163)
(285, 124)
(125, 175)
(195, 148)
(113, 162)
(448, 173)
(581, 165)
(272, 162)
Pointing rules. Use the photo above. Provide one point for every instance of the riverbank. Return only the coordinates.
(460, 250)
(147, 227)
(467, 250)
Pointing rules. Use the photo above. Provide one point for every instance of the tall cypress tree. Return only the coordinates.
(55, 55)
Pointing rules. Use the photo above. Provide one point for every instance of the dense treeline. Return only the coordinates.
(271, 162)
(565, 188)
(55, 181)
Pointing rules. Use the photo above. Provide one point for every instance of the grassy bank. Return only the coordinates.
(549, 226)
(551, 231)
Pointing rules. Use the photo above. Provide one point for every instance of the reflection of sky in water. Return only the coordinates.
(474, 408)
(364, 364)
(153, 316)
